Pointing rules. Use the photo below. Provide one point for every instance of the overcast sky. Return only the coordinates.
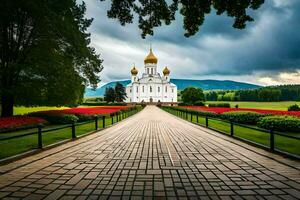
(267, 52)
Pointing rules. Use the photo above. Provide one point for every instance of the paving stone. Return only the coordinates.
(153, 155)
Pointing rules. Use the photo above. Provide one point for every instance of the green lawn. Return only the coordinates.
(281, 143)
(21, 110)
(23, 144)
(283, 105)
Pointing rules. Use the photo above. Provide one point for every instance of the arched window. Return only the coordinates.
(166, 89)
(158, 89)
(150, 89)
(147, 70)
(143, 88)
(172, 90)
(151, 70)
(137, 89)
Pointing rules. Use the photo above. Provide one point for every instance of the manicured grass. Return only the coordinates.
(20, 145)
(283, 105)
(281, 143)
(21, 110)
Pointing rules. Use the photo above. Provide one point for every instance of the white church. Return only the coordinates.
(151, 87)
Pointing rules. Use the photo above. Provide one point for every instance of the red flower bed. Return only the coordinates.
(93, 110)
(220, 110)
(19, 122)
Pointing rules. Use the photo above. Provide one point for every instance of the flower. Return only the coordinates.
(19, 122)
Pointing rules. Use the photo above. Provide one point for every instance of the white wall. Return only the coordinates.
(166, 93)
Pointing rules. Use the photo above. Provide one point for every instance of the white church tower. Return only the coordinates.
(151, 87)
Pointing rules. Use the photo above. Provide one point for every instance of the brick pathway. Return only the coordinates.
(152, 155)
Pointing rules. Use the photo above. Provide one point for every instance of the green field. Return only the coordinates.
(281, 143)
(282, 105)
(22, 110)
(20, 145)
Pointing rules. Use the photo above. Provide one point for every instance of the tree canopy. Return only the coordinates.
(267, 94)
(120, 93)
(153, 13)
(45, 56)
(117, 93)
(109, 95)
(191, 95)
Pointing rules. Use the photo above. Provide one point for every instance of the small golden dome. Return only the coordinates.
(150, 58)
(134, 71)
(166, 71)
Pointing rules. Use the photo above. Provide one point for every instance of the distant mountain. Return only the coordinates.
(182, 84)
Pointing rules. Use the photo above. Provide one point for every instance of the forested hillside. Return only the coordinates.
(268, 94)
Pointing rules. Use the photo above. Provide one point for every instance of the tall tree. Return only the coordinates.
(109, 94)
(120, 93)
(152, 13)
(45, 57)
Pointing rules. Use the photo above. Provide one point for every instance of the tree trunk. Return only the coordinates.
(7, 102)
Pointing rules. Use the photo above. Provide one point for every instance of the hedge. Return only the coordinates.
(294, 107)
(224, 105)
(103, 104)
(194, 112)
(184, 104)
(241, 117)
(280, 123)
(199, 103)
(55, 118)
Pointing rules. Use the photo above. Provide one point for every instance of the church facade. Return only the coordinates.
(151, 87)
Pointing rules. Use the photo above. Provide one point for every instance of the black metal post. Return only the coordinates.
(272, 140)
(40, 139)
(191, 117)
(197, 119)
(186, 115)
(231, 128)
(112, 119)
(96, 123)
(103, 121)
(206, 121)
(73, 131)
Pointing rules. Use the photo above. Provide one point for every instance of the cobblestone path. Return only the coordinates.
(152, 155)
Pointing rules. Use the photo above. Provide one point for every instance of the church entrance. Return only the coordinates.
(151, 100)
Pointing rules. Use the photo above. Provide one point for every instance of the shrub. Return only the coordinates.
(83, 118)
(104, 103)
(224, 105)
(199, 103)
(184, 104)
(280, 123)
(194, 112)
(55, 117)
(294, 107)
(242, 117)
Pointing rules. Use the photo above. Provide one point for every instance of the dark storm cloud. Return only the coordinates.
(269, 45)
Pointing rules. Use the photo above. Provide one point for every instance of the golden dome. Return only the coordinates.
(166, 71)
(134, 71)
(150, 58)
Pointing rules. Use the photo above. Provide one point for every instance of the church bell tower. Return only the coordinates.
(150, 64)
